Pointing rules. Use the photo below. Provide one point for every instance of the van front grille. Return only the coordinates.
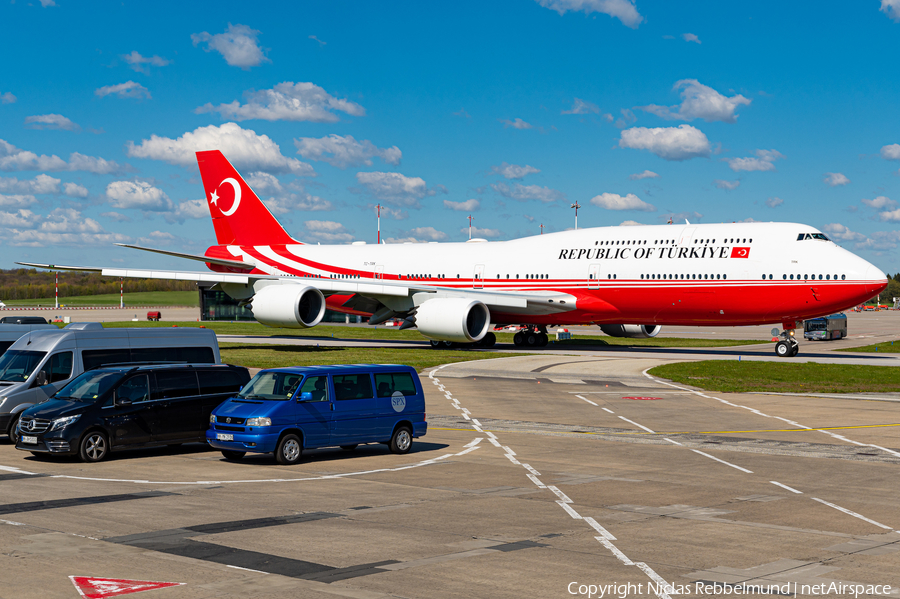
(221, 427)
(29, 424)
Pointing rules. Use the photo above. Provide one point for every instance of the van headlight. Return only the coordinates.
(212, 418)
(259, 422)
(61, 423)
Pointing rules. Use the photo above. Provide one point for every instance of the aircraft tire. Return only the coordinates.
(783, 349)
(795, 350)
(519, 339)
(543, 340)
(532, 339)
(488, 340)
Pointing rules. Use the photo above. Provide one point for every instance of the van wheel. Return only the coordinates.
(233, 456)
(349, 447)
(13, 427)
(401, 440)
(94, 447)
(289, 450)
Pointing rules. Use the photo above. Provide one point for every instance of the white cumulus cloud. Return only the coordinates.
(51, 121)
(139, 195)
(427, 234)
(520, 192)
(614, 201)
(237, 45)
(467, 206)
(17, 200)
(138, 63)
(287, 101)
(7, 98)
(395, 188)
(880, 203)
(479, 232)
(669, 143)
(892, 9)
(623, 10)
(699, 102)
(891, 152)
(764, 161)
(343, 152)
(774, 202)
(727, 185)
(891, 216)
(514, 171)
(327, 231)
(15, 159)
(842, 233)
(835, 179)
(643, 175)
(243, 148)
(39, 185)
(129, 89)
(74, 190)
(690, 37)
(580, 106)
(516, 124)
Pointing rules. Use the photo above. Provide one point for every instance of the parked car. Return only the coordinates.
(42, 361)
(126, 407)
(286, 410)
(23, 320)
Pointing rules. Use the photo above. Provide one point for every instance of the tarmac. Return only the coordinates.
(555, 474)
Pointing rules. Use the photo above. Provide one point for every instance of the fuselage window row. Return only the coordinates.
(685, 277)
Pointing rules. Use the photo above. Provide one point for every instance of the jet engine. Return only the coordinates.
(453, 319)
(635, 331)
(291, 306)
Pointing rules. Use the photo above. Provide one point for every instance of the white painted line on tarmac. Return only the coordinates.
(562, 496)
(569, 510)
(512, 459)
(791, 489)
(608, 410)
(596, 526)
(530, 469)
(536, 481)
(16, 470)
(636, 424)
(673, 442)
(615, 551)
(508, 450)
(712, 457)
(852, 513)
(473, 442)
(469, 450)
(586, 399)
(661, 583)
(246, 569)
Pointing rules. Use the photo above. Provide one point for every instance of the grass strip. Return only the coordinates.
(732, 376)
(145, 298)
(274, 356)
(888, 347)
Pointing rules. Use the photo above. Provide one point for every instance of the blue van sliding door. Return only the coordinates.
(354, 409)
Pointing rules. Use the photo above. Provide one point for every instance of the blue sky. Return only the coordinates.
(509, 111)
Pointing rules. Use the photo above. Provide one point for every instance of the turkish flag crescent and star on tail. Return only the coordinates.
(740, 252)
(99, 588)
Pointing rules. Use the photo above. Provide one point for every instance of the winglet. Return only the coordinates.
(239, 216)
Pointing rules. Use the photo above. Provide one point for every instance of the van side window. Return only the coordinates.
(387, 383)
(60, 366)
(219, 381)
(175, 383)
(352, 386)
(137, 389)
(318, 386)
(95, 358)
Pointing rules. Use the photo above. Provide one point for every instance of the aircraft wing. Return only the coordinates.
(508, 301)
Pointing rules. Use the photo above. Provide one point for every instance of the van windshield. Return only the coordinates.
(90, 386)
(271, 385)
(17, 365)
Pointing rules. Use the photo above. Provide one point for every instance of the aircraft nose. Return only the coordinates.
(876, 281)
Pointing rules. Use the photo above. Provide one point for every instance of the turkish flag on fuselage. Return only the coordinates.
(740, 252)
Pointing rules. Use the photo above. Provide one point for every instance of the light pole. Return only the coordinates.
(542, 228)
(576, 206)
(470, 226)
(378, 207)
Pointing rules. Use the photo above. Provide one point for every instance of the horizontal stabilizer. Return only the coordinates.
(198, 257)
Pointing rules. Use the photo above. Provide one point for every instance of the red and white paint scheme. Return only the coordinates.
(91, 587)
(690, 274)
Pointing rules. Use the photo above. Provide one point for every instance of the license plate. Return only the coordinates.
(32, 440)
(219, 437)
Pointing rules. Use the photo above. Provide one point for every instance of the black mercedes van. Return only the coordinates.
(126, 407)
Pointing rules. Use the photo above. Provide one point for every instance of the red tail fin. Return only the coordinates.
(238, 215)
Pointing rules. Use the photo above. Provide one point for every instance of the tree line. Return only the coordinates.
(26, 283)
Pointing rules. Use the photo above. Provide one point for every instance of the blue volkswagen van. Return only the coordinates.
(286, 410)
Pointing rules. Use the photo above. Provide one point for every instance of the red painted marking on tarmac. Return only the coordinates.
(99, 588)
(643, 398)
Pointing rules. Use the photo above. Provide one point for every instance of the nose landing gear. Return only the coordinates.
(787, 347)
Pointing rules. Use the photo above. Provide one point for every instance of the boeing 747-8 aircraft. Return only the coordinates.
(614, 277)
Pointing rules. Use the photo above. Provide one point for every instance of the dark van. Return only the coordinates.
(286, 410)
(126, 407)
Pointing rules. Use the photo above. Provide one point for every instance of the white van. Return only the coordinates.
(10, 333)
(41, 362)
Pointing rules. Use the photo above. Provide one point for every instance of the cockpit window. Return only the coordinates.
(805, 236)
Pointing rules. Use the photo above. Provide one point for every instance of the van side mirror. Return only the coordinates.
(42, 378)
(123, 401)
(306, 396)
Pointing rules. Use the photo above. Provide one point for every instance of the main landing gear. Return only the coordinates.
(531, 337)
(787, 347)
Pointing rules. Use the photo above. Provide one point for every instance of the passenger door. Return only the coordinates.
(354, 409)
(178, 407)
(215, 387)
(130, 424)
(395, 391)
(59, 370)
(315, 416)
